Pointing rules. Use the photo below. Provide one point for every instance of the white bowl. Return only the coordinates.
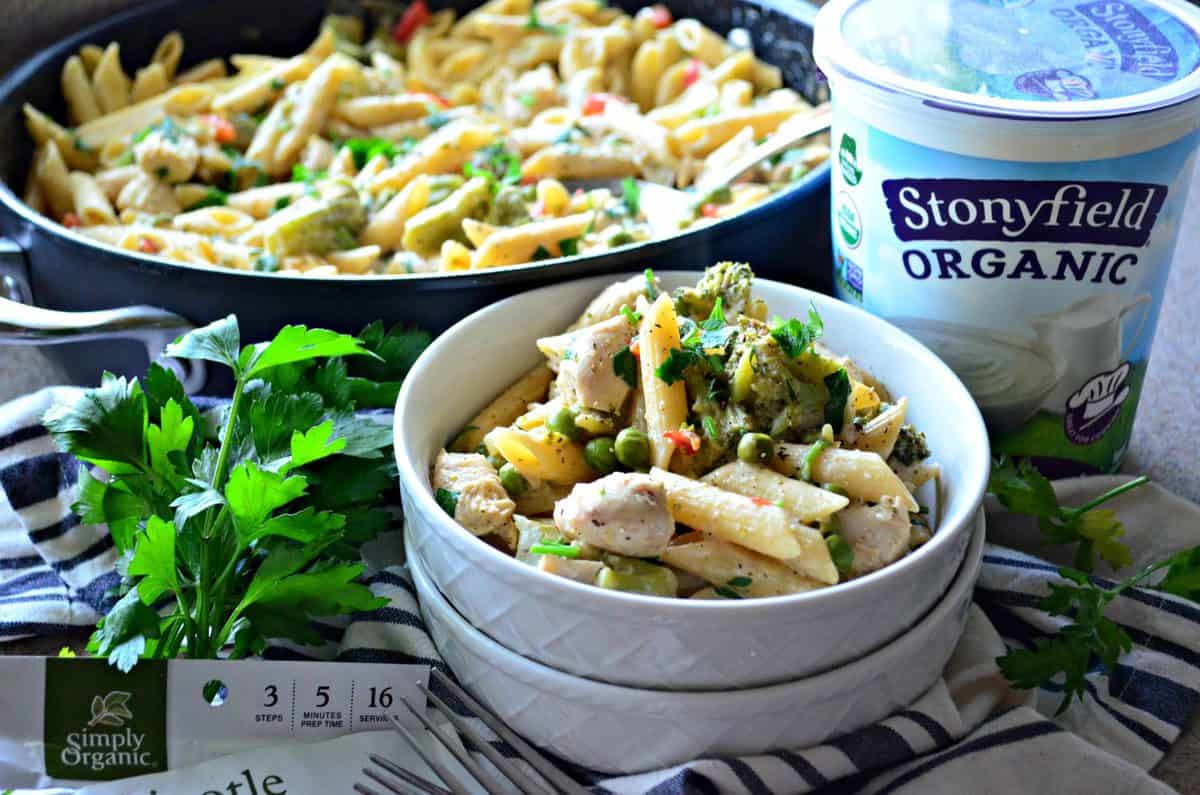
(681, 644)
(624, 730)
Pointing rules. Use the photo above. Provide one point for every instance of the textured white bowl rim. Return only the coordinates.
(825, 682)
(971, 488)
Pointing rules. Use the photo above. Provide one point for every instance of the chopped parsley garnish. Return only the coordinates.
(282, 202)
(726, 592)
(497, 165)
(301, 173)
(625, 366)
(740, 582)
(541, 253)
(569, 246)
(795, 337)
(631, 195)
(241, 164)
(447, 500)
(838, 384)
(267, 263)
(277, 84)
(678, 360)
(710, 428)
(632, 317)
(213, 197)
(364, 150)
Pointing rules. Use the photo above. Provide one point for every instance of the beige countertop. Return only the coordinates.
(1165, 436)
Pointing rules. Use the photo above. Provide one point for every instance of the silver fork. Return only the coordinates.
(394, 778)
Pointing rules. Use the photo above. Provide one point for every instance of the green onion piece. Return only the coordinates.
(561, 550)
(811, 457)
(841, 552)
(651, 290)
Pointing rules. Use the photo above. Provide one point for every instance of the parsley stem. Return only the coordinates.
(1109, 495)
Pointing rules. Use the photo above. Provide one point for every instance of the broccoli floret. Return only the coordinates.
(731, 282)
(911, 446)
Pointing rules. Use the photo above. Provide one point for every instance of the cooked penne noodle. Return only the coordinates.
(77, 91)
(720, 562)
(168, 53)
(666, 404)
(91, 205)
(540, 455)
(863, 475)
(505, 409)
(806, 502)
(149, 82)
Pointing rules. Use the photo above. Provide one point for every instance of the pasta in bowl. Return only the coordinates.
(678, 445)
(713, 510)
(432, 145)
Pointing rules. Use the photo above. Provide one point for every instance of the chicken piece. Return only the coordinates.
(147, 194)
(168, 153)
(584, 571)
(483, 506)
(879, 534)
(586, 376)
(608, 304)
(625, 513)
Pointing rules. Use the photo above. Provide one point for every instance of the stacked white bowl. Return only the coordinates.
(621, 682)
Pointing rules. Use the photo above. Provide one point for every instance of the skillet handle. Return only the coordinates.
(22, 323)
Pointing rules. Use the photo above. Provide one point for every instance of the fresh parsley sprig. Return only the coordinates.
(1091, 637)
(1021, 488)
(241, 528)
(1065, 658)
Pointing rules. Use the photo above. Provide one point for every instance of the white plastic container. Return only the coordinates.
(1009, 184)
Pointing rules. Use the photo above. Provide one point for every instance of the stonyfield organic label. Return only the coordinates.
(102, 724)
(1038, 283)
(1036, 50)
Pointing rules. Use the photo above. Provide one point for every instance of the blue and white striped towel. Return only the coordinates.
(969, 734)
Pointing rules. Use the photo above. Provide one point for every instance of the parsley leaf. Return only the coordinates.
(447, 500)
(678, 360)
(542, 253)
(249, 520)
(1022, 489)
(569, 246)
(795, 337)
(651, 285)
(838, 384)
(625, 366)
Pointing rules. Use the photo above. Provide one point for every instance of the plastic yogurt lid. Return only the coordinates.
(1041, 59)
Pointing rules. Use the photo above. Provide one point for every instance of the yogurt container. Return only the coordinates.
(1009, 181)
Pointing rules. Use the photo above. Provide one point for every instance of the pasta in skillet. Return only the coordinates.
(435, 143)
(679, 445)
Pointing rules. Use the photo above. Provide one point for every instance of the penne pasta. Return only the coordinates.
(720, 562)
(666, 404)
(805, 501)
(505, 409)
(864, 476)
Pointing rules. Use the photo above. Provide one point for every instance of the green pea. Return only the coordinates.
(755, 448)
(513, 481)
(563, 422)
(601, 454)
(633, 448)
